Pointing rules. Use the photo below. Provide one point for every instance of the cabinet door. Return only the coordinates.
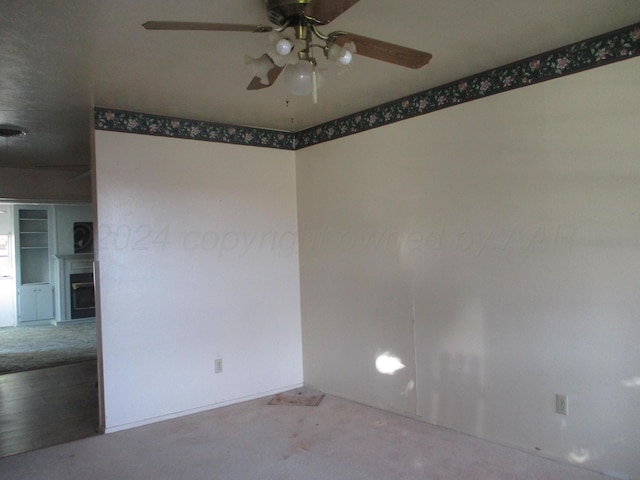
(45, 302)
(28, 303)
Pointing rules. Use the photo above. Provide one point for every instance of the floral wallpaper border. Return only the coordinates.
(148, 124)
(595, 52)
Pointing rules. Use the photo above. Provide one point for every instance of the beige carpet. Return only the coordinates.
(32, 348)
(338, 440)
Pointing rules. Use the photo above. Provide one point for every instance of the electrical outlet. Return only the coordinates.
(562, 404)
(218, 365)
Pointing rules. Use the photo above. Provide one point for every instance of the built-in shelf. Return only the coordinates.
(35, 262)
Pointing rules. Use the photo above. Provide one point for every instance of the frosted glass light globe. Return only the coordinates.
(345, 57)
(299, 78)
(283, 47)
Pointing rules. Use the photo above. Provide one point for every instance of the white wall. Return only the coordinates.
(494, 248)
(198, 261)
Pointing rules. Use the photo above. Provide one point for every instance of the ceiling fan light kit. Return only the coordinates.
(297, 23)
(284, 47)
(299, 78)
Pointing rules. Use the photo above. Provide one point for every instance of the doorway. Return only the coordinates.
(53, 404)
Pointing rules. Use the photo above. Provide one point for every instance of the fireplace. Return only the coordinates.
(83, 300)
(76, 296)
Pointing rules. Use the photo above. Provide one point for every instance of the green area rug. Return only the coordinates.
(31, 348)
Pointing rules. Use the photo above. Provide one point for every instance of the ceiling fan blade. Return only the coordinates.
(327, 10)
(387, 52)
(217, 27)
(272, 76)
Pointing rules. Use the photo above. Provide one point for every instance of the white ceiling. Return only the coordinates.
(58, 58)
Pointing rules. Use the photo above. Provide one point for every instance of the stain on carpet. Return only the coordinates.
(301, 397)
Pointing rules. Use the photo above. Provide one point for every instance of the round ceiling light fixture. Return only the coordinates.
(8, 131)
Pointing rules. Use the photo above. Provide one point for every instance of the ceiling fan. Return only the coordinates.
(296, 25)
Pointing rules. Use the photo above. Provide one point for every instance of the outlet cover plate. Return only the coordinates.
(562, 404)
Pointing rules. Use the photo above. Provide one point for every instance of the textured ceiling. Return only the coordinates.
(58, 58)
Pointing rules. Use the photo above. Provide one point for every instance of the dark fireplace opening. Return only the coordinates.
(83, 300)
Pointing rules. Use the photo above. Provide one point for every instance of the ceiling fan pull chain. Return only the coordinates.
(314, 79)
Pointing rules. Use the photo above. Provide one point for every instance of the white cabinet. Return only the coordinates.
(36, 302)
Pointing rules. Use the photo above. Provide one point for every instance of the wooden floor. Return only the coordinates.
(47, 407)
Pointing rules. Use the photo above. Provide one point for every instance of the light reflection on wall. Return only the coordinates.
(388, 364)
(632, 382)
(579, 455)
(410, 386)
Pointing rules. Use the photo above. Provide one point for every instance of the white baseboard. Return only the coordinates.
(204, 408)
